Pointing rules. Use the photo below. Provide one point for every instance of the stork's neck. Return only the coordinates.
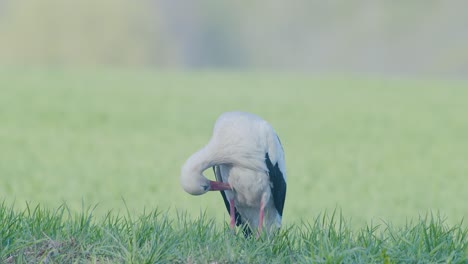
(192, 179)
(199, 162)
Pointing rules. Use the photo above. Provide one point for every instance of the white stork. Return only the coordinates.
(248, 161)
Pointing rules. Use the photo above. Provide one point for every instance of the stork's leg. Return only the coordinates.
(232, 212)
(261, 215)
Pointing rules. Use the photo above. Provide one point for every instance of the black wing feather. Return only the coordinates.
(278, 188)
(239, 222)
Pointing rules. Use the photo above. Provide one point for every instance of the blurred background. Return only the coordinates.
(365, 36)
(104, 100)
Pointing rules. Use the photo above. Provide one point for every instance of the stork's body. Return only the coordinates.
(248, 161)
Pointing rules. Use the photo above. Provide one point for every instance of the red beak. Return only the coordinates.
(219, 186)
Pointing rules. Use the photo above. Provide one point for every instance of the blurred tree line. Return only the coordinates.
(423, 36)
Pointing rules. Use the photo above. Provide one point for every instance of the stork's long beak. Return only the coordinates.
(219, 186)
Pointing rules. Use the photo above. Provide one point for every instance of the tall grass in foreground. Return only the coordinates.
(56, 236)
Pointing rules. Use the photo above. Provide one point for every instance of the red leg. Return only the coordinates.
(260, 218)
(232, 212)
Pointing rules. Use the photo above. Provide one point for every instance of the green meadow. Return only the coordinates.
(378, 149)
(90, 160)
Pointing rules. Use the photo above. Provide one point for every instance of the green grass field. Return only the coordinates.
(379, 150)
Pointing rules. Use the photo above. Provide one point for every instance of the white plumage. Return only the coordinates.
(248, 160)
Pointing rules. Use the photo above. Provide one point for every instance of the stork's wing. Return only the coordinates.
(278, 182)
(239, 222)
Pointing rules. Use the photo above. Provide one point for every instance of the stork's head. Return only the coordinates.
(193, 182)
(192, 179)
